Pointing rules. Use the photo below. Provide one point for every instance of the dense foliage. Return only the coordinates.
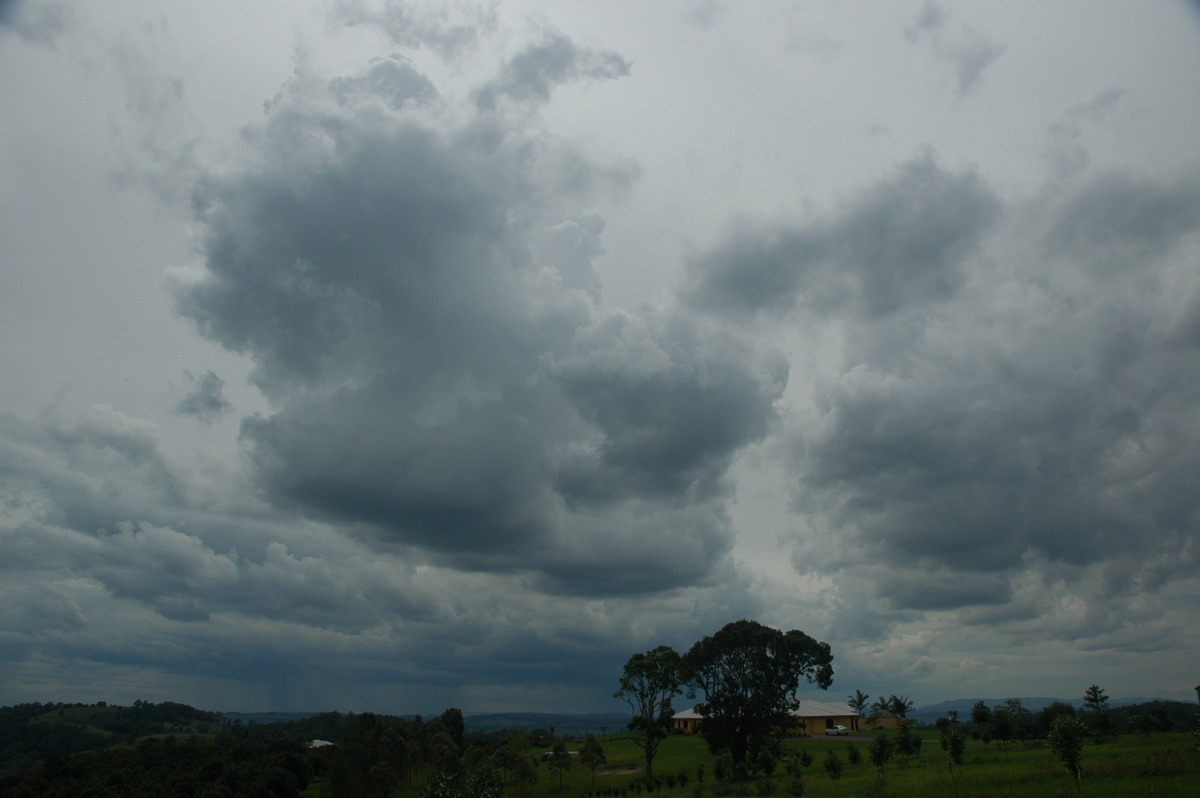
(749, 674)
(169, 767)
(174, 750)
(31, 733)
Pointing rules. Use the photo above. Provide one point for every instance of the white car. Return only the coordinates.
(837, 730)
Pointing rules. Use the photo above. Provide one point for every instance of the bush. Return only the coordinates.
(833, 765)
(1066, 741)
(853, 754)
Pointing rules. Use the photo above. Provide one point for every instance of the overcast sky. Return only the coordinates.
(371, 355)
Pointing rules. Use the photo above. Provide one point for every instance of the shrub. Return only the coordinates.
(833, 765)
(881, 752)
(1066, 741)
(853, 754)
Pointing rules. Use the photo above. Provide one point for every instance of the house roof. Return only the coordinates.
(807, 709)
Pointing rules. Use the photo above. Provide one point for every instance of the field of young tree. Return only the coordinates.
(1163, 764)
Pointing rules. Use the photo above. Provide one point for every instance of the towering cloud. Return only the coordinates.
(418, 296)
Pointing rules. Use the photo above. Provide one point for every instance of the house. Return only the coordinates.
(686, 722)
(882, 719)
(811, 717)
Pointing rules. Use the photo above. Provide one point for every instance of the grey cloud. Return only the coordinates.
(42, 23)
(966, 51)
(98, 470)
(532, 74)
(934, 590)
(1048, 411)
(1116, 222)
(158, 140)
(704, 13)
(902, 244)
(671, 403)
(194, 614)
(1065, 151)
(206, 399)
(449, 29)
(419, 302)
(931, 18)
(391, 79)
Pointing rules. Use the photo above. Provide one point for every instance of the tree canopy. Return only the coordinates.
(648, 684)
(749, 674)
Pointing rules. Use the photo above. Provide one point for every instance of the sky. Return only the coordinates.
(393, 356)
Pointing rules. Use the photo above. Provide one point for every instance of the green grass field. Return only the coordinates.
(1125, 766)
(1164, 764)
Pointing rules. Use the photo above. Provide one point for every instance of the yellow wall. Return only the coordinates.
(813, 725)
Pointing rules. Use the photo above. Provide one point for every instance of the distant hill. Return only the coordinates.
(31, 733)
(963, 706)
(267, 717)
(564, 725)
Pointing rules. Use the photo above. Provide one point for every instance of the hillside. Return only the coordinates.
(30, 733)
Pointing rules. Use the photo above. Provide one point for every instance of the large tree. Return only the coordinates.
(648, 684)
(749, 674)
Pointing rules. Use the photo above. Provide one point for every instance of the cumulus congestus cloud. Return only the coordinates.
(417, 294)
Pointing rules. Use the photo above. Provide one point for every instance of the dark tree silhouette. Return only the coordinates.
(749, 674)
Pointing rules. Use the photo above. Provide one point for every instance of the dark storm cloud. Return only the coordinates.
(671, 403)
(940, 591)
(230, 591)
(206, 399)
(902, 244)
(420, 303)
(1045, 412)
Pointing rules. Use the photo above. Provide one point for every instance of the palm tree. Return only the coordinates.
(858, 701)
(900, 705)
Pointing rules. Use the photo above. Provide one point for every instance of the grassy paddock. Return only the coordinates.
(1162, 765)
